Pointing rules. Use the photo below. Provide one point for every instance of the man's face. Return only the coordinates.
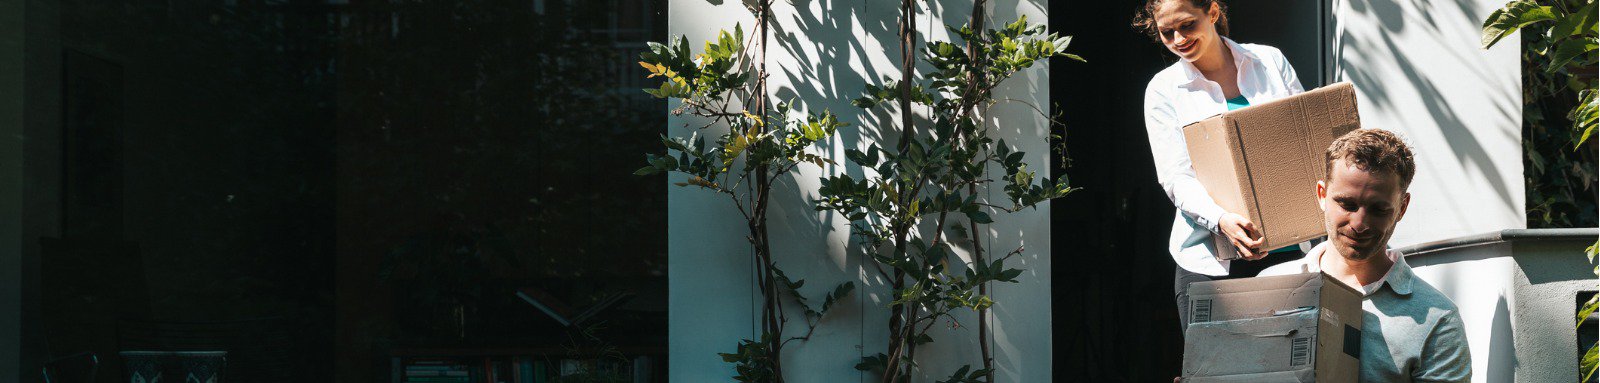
(1360, 209)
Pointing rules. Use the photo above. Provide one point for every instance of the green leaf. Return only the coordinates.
(1010, 275)
(1585, 117)
(1590, 362)
(1574, 23)
(979, 217)
(1568, 50)
(1512, 17)
(645, 171)
(1588, 309)
(873, 363)
(839, 293)
(1593, 251)
(1016, 26)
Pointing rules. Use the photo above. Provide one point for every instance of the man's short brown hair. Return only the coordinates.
(1373, 150)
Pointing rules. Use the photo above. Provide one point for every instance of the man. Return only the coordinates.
(1410, 331)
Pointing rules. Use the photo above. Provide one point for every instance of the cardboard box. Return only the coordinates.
(1264, 161)
(1275, 348)
(1255, 329)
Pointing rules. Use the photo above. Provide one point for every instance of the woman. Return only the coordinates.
(1213, 75)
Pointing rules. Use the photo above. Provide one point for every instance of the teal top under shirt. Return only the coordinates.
(1240, 102)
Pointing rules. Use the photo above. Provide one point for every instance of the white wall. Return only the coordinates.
(1419, 70)
(1479, 279)
(1517, 297)
(822, 54)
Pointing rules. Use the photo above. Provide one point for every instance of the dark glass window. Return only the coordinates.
(354, 191)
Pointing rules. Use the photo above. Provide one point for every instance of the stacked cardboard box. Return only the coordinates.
(1264, 161)
(1289, 328)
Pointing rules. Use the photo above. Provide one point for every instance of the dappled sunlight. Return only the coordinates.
(1405, 56)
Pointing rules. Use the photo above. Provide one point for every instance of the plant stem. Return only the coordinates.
(908, 127)
(908, 61)
(974, 80)
(771, 315)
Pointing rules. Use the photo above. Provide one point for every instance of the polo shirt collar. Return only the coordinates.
(1399, 277)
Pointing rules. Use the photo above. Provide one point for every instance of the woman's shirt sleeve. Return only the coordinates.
(1173, 169)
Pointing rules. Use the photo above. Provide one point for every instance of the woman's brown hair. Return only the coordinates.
(1144, 19)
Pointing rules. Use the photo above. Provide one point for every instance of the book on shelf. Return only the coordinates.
(438, 379)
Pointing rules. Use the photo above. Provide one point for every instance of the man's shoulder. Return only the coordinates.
(1410, 296)
(1424, 294)
(1444, 355)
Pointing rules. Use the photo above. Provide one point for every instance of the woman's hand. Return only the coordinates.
(1244, 235)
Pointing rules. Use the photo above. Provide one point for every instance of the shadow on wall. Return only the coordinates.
(837, 48)
(1360, 62)
(1502, 345)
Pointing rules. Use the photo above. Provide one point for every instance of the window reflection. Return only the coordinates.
(346, 190)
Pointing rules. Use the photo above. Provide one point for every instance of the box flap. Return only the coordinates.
(1339, 332)
(1252, 297)
(1297, 376)
(1273, 282)
(1257, 345)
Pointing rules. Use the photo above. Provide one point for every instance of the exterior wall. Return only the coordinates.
(1549, 277)
(821, 56)
(1517, 298)
(1419, 70)
(1479, 278)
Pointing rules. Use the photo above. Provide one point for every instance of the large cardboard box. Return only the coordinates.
(1264, 161)
(1287, 328)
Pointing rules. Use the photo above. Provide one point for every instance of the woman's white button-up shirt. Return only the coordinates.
(1180, 95)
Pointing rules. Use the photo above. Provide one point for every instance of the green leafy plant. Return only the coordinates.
(934, 174)
(584, 342)
(759, 146)
(1589, 364)
(1559, 105)
(1558, 62)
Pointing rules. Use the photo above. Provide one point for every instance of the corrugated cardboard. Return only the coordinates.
(1236, 349)
(1264, 161)
(1297, 376)
(1224, 310)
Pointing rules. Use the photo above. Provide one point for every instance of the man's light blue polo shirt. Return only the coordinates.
(1410, 332)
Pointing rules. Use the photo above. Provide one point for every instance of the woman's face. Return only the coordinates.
(1186, 30)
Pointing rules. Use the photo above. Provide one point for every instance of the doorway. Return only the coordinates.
(1113, 313)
